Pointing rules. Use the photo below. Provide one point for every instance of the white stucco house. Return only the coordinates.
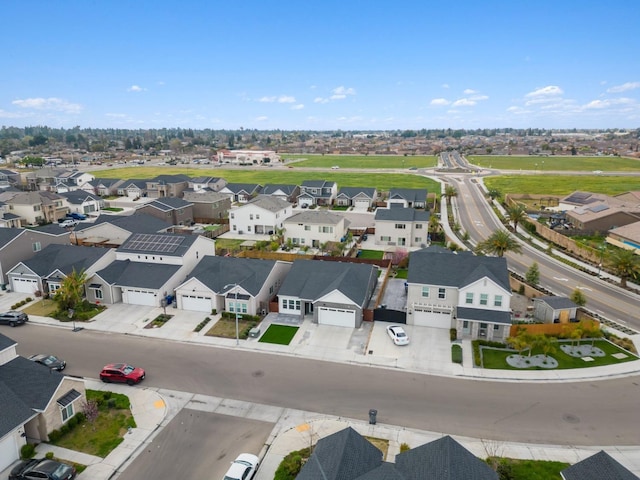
(262, 215)
(313, 228)
(401, 226)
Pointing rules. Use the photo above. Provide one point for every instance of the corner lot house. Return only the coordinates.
(314, 228)
(32, 409)
(408, 197)
(402, 226)
(459, 290)
(215, 282)
(262, 215)
(331, 293)
(317, 192)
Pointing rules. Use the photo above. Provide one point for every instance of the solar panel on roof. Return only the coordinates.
(599, 208)
(148, 242)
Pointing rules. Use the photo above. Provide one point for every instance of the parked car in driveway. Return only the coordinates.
(42, 468)
(242, 468)
(68, 222)
(398, 335)
(77, 216)
(122, 373)
(13, 318)
(50, 361)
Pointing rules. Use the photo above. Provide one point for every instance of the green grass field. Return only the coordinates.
(362, 161)
(554, 162)
(382, 181)
(278, 334)
(562, 185)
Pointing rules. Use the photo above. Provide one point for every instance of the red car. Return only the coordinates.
(122, 373)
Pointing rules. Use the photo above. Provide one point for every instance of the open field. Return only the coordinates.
(362, 161)
(562, 185)
(382, 181)
(558, 163)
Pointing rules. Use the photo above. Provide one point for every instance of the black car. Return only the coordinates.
(51, 361)
(42, 468)
(13, 318)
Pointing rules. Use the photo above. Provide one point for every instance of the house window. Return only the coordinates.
(248, 228)
(181, 211)
(257, 216)
(442, 293)
(425, 292)
(484, 299)
(307, 228)
(483, 325)
(98, 293)
(496, 326)
(418, 226)
(168, 214)
(232, 216)
(36, 246)
(497, 301)
(417, 239)
(469, 299)
(385, 239)
(234, 228)
(53, 287)
(297, 304)
(67, 412)
(325, 229)
(251, 216)
(36, 208)
(271, 290)
(400, 226)
(465, 324)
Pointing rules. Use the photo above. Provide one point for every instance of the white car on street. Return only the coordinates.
(398, 335)
(242, 468)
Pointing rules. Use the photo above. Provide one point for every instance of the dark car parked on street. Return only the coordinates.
(42, 468)
(51, 361)
(13, 318)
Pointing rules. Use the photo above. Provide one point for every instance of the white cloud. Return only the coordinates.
(469, 91)
(135, 88)
(286, 99)
(440, 102)
(343, 91)
(547, 91)
(320, 100)
(478, 98)
(267, 99)
(338, 96)
(299, 106)
(52, 103)
(445, 85)
(263, 118)
(624, 87)
(464, 102)
(598, 104)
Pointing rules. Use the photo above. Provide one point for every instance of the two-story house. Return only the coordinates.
(214, 184)
(37, 207)
(317, 192)
(170, 209)
(241, 192)
(83, 202)
(8, 178)
(208, 206)
(167, 186)
(361, 198)
(8, 219)
(262, 215)
(114, 230)
(133, 188)
(459, 290)
(71, 180)
(408, 197)
(284, 191)
(315, 228)
(401, 227)
(106, 187)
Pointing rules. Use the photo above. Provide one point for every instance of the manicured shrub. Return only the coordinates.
(54, 436)
(27, 451)
(456, 354)
(453, 334)
(48, 455)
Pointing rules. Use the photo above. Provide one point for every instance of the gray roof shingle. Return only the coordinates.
(600, 466)
(402, 215)
(125, 273)
(136, 223)
(65, 258)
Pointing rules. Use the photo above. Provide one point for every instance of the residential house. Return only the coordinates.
(592, 212)
(70, 180)
(262, 215)
(208, 206)
(147, 268)
(8, 179)
(348, 455)
(241, 192)
(331, 293)
(8, 219)
(286, 192)
(32, 409)
(552, 309)
(133, 188)
(214, 184)
(106, 187)
(402, 226)
(21, 244)
(42, 178)
(36, 208)
(114, 230)
(248, 157)
(317, 192)
(408, 197)
(315, 228)
(600, 466)
(167, 186)
(459, 290)
(242, 285)
(45, 271)
(627, 237)
(170, 209)
(83, 202)
(361, 198)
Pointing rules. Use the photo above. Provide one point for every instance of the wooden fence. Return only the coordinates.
(554, 329)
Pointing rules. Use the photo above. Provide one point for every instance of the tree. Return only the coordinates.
(547, 344)
(578, 297)
(517, 214)
(494, 193)
(71, 291)
(499, 243)
(450, 191)
(533, 274)
(576, 334)
(625, 263)
(91, 411)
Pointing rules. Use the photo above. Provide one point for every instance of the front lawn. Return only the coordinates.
(279, 334)
(372, 254)
(106, 432)
(497, 359)
(44, 307)
(226, 328)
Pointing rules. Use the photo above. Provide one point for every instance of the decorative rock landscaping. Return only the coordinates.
(582, 351)
(525, 361)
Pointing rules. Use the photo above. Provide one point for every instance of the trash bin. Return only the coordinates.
(372, 416)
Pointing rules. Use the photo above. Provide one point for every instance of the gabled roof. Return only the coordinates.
(443, 458)
(9, 234)
(351, 192)
(78, 197)
(600, 466)
(217, 272)
(135, 182)
(556, 302)
(236, 188)
(204, 196)
(267, 202)
(6, 342)
(318, 183)
(65, 258)
(125, 273)
(312, 279)
(402, 215)
(484, 315)
(167, 204)
(107, 182)
(167, 244)
(50, 229)
(136, 223)
(319, 217)
(204, 179)
(409, 194)
(345, 455)
(164, 179)
(272, 188)
(440, 266)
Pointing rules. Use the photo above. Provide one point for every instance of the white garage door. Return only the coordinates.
(361, 204)
(140, 297)
(197, 303)
(337, 317)
(435, 318)
(8, 451)
(24, 285)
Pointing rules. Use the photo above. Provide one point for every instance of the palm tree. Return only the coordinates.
(499, 243)
(578, 297)
(547, 344)
(517, 214)
(494, 193)
(625, 263)
(450, 191)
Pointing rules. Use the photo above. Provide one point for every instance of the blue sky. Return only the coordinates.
(326, 65)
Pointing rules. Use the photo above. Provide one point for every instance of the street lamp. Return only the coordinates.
(602, 249)
(235, 308)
